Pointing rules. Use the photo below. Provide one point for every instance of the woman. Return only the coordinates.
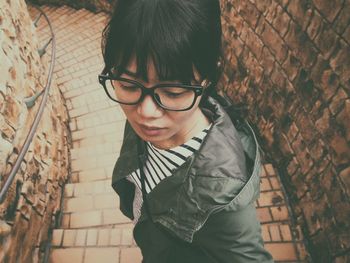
(187, 174)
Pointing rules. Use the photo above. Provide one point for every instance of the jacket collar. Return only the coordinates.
(223, 134)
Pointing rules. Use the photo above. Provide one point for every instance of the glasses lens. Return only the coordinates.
(123, 91)
(174, 97)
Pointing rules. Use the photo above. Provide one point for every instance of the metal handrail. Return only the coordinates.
(38, 116)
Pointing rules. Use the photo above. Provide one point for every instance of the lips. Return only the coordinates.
(151, 130)
(150, 127)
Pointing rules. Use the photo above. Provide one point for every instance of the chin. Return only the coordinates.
(155, 138)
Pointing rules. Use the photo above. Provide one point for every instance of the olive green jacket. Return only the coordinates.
(205, 211)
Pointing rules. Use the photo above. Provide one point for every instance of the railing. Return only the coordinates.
(30, 102)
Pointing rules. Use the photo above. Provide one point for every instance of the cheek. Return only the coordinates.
(128, 110)
(180, 118)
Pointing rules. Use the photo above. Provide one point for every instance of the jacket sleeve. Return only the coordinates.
(158, 245)
(233, 237)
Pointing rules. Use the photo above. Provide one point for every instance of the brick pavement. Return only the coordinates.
(92, 227)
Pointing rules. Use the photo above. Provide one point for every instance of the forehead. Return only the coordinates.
(131, 70)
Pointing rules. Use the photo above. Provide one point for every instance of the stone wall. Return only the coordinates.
(289, 61)
(33, 200)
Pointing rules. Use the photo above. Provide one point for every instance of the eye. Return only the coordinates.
(128, 86)
(173, 94)
(123, 85)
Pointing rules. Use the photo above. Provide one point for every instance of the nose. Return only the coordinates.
(148, 108)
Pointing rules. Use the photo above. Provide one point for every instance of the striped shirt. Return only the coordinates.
(161, 164)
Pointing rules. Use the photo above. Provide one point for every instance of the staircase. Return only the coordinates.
(92, 228)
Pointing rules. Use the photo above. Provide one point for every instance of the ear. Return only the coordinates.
(196, 74)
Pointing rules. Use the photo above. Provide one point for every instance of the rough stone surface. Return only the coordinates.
(302, 107)
(33, 198)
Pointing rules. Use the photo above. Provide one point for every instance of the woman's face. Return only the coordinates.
(164, 129)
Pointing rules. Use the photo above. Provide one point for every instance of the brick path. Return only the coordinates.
(92, 227)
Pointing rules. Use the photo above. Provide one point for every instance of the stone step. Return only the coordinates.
(277, 232)
(96, 254)
(93, 150)
(272, 214)
(115, 235)
(88, 188)
(91, 202)
(101, 113)
(91, 140)
(94, 218)
(115, 128)
(93, 175)
(100, 162)
(283, 251)
(65, 17)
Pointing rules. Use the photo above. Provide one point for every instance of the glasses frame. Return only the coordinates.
(198, 90)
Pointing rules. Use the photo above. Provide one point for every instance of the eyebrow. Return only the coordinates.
(132, 74)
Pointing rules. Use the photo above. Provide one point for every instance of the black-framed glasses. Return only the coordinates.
(169, 96)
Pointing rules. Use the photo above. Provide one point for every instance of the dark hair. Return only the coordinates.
(175, 34)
